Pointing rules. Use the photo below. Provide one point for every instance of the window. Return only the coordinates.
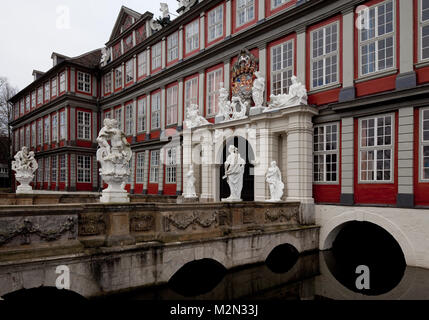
(214, 79)
(191, 92)
(377, 40)
(156, 111)
(129, 71)
(62, 81)
(376, 149)
(46, 131)
(156, 56)
(130, 166)
(39, 133)
(84, 82)
(118, 117)
(424, 29)
(282, 67)
(54, 168)
(192, 36)
(33, 135)
(128, 43)
(118, 77)
(47, 169)
(245, 11)
(326, 153)
(170, 169)
(62, 125)
(107, 83)
(84, 169)
(54, 87)
(54, 127)
(173, 47)
(33, 99)
(324, 57)
(63, 168)
(83, 125)
(22, 106)
(27, 103)
(277, 3)
(154, 166)
(424, 141)
(107, 115)
(129, 120)
(27, 136)
(140, 34)
(47, 91)
(140, 167)
(39, 95)
(215, 23)
(142, 65)
(172, 105)
(141, 115)
(40, 170)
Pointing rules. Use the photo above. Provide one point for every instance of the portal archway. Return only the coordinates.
(247, 153)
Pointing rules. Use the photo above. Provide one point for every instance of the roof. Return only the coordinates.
(122, 14)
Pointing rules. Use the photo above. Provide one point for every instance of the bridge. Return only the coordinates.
(115, 247)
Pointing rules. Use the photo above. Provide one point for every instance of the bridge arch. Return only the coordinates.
(330, 230)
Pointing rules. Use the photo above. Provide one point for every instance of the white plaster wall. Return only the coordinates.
(409, 227)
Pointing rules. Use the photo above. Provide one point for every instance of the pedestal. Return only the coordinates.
(24, 189)
(256, 110)
(231, 200)
(114, 197)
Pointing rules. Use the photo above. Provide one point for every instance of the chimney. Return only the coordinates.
(37, 74)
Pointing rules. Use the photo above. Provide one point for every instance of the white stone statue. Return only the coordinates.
(224, 105)
(274, 180)
(164, 10)
(154, 25)
(104, 57)
(258, 89)
(193, 117)
(114, 160)
(24, 165)
(297, 96)
(236, 115)
(234, 171)
(190, 184)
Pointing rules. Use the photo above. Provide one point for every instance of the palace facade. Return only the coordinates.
(365, 65)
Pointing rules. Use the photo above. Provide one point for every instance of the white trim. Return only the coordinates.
(155, 168)
(286, 69)
(214, 92)
(422, 144)
(421, 25)
(209, 39)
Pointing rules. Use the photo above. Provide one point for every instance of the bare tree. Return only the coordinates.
(6, 112)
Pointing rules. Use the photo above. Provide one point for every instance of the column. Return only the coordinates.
(178, 166)
(148, 61)
(201, 93)
(206, 170)
(163, 110)
(202, 31)
(263, 63)
(134, 118)
(347, 161)
(94, 174)
(300, 158)
(72, 172)
(180, 105)
(72, 123)
(67, 182)
(72, 79)
(122, 46)
(181, 43)
(146, 171)
(227, 74)
(348, 91)
(135, 68)
(133, 173)
(261, 10)
(123, 74)
(266, 154)
(112, 72)
(228, 18)
(94, 126)
(187, 154)
(134, 38)
(148, 117)
(407, 76)
(161, 172)
(163, 53)
(405, 197)
(301, 54)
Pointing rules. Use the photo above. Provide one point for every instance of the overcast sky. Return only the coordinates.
(31, 30)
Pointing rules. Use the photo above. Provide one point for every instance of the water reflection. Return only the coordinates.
(309, 278)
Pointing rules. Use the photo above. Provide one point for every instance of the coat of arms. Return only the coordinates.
(242, 75)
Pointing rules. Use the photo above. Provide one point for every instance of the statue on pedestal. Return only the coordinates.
(114, 160)
(225, 108)
(24, 165)
(193, 117)
(190, 184)
(258, 89)
(274, 180)
(234, 171)
(297, 96)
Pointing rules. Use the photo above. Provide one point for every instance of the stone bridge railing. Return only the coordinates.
(49, 230)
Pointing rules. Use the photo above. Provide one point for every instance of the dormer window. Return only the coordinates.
(128, 43)
(83, 82)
